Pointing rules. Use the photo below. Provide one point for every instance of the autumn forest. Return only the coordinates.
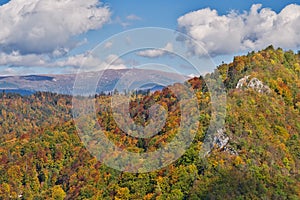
(43, 157)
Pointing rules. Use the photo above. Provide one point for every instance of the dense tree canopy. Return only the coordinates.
(42, 157)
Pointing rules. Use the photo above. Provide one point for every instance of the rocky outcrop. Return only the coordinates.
(220, 141)
(242, 82)
(230, 150)
(254, 83)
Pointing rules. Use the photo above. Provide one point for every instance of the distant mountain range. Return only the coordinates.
(64, 83)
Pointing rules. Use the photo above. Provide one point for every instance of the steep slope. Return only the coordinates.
(256, 154)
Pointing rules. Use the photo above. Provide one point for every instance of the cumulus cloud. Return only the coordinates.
(154, 53)
(15, 59)
(234, 32)
(48, 26)
(87, 61)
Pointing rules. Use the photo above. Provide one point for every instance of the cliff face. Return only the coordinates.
(254, 84)
(221, 143)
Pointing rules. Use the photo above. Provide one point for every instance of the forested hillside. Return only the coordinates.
(42, 156)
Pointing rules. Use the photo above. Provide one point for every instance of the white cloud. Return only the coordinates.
(128, 21)
(234, 32)
(133, 17)
(10, 71)
(16, 59)
(114, 59)
(45, 26)
(108, 45)
(153, 53)
(86, 61)
(124, 24)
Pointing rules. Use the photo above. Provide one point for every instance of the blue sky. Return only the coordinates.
(43, 40)
(165, 13)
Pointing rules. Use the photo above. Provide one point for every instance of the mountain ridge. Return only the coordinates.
(255, 156)
(64, 83)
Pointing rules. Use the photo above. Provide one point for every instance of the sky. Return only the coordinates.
(61, 36)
